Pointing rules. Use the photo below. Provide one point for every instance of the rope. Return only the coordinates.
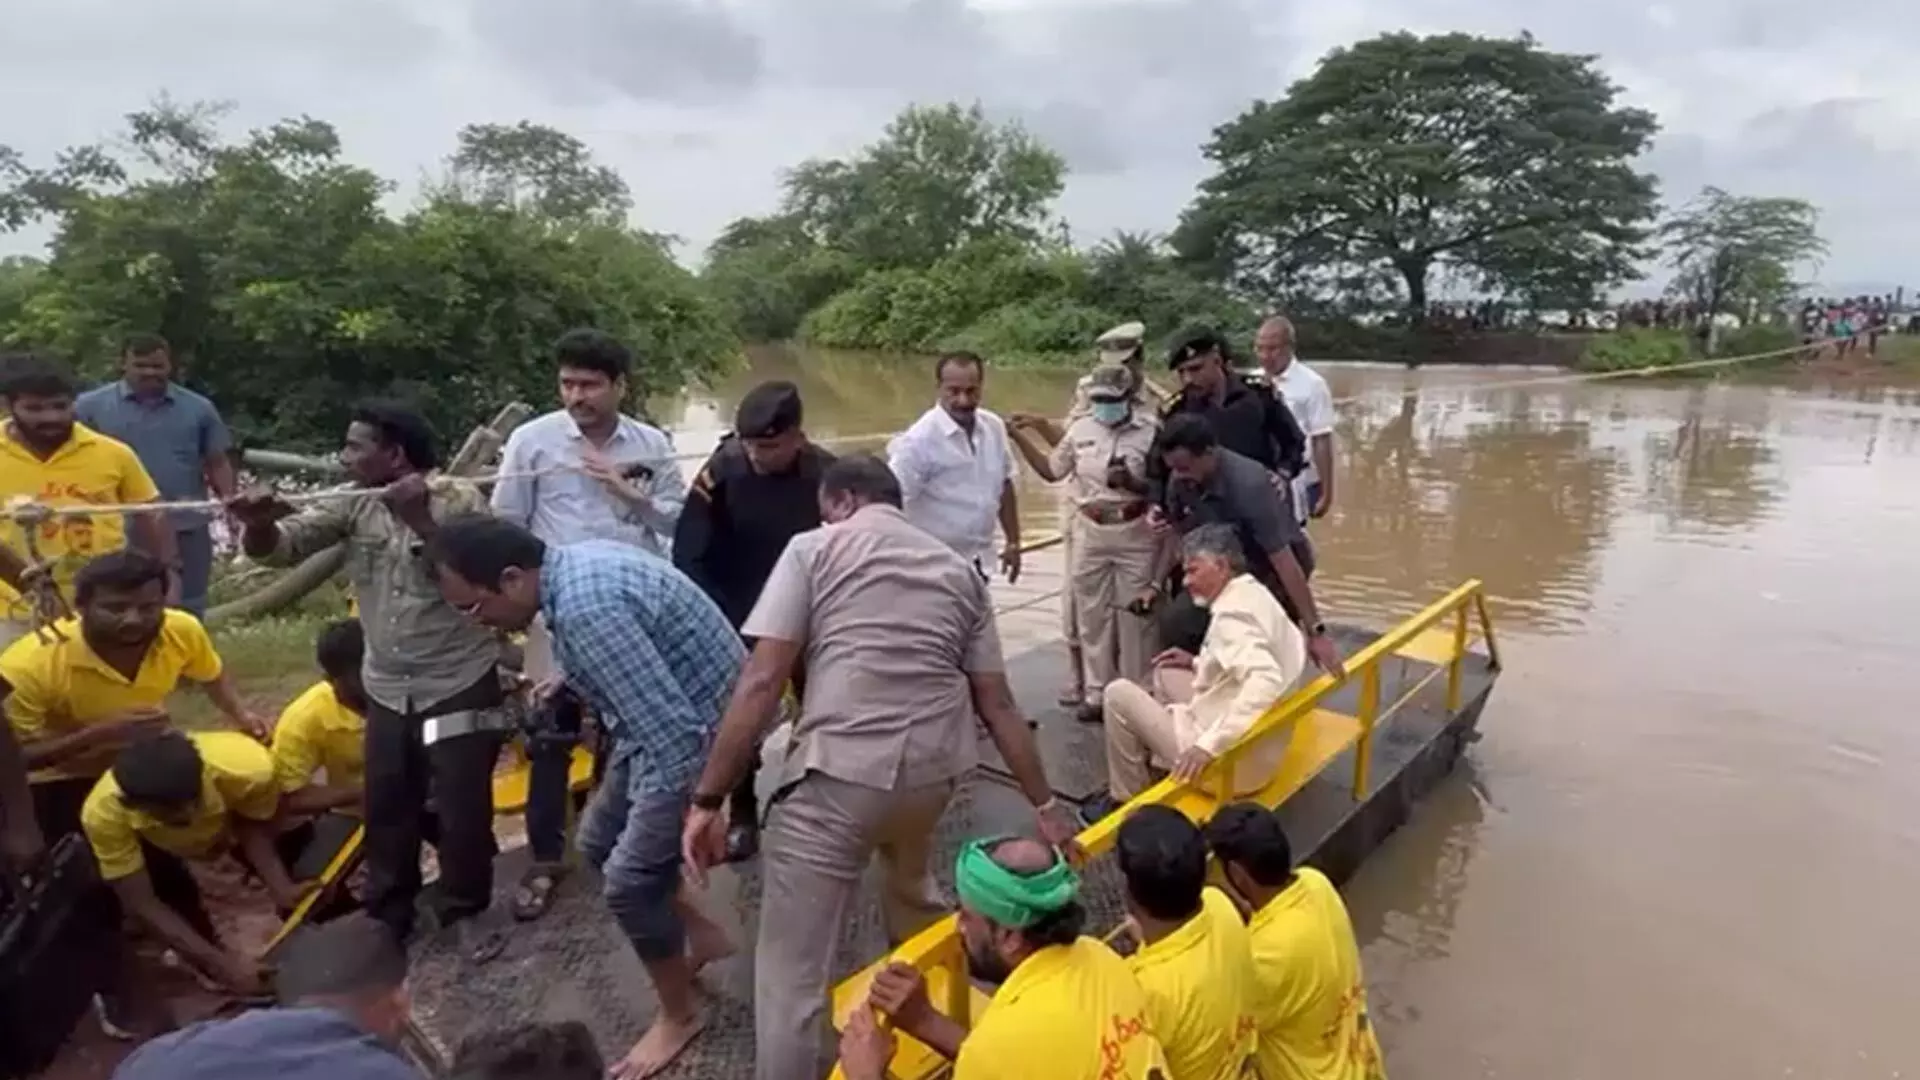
(1510, 384)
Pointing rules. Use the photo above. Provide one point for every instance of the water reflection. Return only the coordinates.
(1687, 845)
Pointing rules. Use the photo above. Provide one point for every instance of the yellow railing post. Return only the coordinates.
(1456, 666)
(1486, 627)
(1369, 711)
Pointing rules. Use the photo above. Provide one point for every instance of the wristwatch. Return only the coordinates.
(708, 802)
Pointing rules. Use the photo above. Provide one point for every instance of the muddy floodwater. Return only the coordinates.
(1688, 845)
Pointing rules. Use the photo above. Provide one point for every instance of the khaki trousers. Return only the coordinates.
(1142, 732)
(1109, 565)
(1069, 611)
(818, 841)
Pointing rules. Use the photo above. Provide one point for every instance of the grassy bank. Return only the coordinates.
(1653, 350)
(270, 659)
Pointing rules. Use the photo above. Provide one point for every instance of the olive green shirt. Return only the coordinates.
(420, 651)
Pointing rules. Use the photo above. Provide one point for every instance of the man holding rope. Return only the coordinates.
(47, 463)
(434, 696)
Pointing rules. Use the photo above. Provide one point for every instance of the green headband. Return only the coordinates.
(1012, 900)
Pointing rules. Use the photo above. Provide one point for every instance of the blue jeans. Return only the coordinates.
(195, 547)
(631, 834)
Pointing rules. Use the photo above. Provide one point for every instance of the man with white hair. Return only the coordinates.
(1311, 402)
(1252, 656)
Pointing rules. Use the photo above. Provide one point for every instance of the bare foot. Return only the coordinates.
(663, 1042)
(706, 943)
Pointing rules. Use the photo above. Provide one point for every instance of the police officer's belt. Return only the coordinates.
(1113, 514)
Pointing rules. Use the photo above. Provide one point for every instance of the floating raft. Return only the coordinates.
(1345, 786)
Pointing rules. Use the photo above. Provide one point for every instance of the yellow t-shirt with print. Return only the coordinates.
(316, 732)
(88, 468)
(1070, 1012)
(1312, 1004)
(236, 779)
(1200, 991)
(60, 686)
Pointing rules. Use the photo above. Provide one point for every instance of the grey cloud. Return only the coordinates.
(1823, 153)
(681, 51)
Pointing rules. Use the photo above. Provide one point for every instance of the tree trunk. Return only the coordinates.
(1414, 270)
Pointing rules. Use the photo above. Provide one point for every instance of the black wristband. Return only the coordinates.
(708, 802)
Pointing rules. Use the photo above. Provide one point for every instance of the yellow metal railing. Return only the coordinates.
(1440, 635)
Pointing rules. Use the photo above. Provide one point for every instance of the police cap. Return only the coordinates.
(769, 409)
(1109, 382)
(1195, 341)
(1122, 343)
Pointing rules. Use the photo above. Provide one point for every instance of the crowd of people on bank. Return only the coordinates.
(594, 587)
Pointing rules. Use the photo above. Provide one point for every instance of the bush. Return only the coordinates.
(1637, 350)
(1029, 328)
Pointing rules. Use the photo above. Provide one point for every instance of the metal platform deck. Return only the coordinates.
(574, 964)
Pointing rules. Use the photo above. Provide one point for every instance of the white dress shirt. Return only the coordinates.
(1311, 401)
(951, 480)
(566, 507)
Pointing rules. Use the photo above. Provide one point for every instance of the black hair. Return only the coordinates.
(1190, 432)
(769, 409)
(118, 571)
(1163, 857)
(562, 1051)
(593, 350)
(481, 548)
(1250, 836)
(397, 425)
(160, 770)
(863, 476)
(340, 648)
(347, 957)
(31, 375)
(963, 357)
(143, 344)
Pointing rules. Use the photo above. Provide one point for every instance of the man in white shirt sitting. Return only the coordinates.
(1311, 402)
(1252, 657)
(956, 469)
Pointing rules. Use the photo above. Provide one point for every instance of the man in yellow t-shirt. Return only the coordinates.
(47, 459)
(1067, 1007)
(1195, 960)
(79, 699)
(1311, 1001)
(171, 797)
(324, 730)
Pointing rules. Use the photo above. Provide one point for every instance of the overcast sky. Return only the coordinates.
(701, 103)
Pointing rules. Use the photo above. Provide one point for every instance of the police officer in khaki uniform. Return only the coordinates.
(1103, 459)
(1124, 345)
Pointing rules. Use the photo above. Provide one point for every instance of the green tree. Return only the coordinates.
(939, 177)
(767, 273)
(269, 264)
(1737, 253)
(1490, 158)
(536, 168)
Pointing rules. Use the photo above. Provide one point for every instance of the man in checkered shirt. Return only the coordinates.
(656, 659)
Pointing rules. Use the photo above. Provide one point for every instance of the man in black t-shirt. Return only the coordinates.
(1209, 484)
(1245, 415)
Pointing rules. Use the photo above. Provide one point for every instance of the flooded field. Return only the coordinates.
(1689, 844)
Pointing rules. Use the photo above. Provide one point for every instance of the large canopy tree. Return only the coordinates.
(1490, 159)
